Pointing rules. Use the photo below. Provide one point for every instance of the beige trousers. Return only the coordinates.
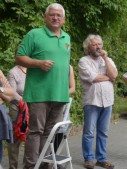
(13, 153)
(43, 116)
(13, 149)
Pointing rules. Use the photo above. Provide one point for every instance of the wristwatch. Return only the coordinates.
(1, 89)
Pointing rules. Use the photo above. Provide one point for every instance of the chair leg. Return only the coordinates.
(53, 155)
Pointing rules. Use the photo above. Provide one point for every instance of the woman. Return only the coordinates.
(6, 95)
(16, 78)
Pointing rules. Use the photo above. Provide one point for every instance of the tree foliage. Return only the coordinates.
(17, 17)
(105, 17)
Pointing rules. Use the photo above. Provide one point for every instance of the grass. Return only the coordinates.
(119, 108)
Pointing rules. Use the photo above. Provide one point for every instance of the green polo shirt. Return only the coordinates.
(53, 85)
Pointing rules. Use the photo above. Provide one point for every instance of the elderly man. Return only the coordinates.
(46, 53)
(97, 73)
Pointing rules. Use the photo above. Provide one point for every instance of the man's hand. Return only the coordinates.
(111, 70)
(46, 65)
(103, 54)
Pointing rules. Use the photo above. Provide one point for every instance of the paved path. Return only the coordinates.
(116, 150)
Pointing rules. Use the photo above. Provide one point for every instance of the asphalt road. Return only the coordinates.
(116, 149)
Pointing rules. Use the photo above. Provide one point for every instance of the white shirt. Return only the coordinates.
(100, 94)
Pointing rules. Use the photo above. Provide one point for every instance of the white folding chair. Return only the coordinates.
(56, 158)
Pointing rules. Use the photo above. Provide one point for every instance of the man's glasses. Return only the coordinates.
(52, 15)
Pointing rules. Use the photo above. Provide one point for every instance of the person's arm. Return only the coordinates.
(111, 70)
(87, 74)
(124, 78)
(28, 62)
(12, 81)
(101, 78)
(6, 92)
(26, 49)
(71, 81)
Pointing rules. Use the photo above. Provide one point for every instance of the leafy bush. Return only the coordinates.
(106, 17)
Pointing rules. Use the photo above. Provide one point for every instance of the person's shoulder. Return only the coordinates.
(13, 68)
(35, 30)
(65, 34)
(71, 67)
(84, 58)
(111, 60)
(1, 74)
(14, 71)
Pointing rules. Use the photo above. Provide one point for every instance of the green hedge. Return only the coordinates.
(106, 17)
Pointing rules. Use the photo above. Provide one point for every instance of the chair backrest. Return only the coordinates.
(67, 110)
(66, 117)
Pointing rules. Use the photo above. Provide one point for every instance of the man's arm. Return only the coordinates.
(111, 70)
(86, 72)
(101, 78)
(34, 63)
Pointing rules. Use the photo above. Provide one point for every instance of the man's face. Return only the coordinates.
(54, 18)
(95, 47)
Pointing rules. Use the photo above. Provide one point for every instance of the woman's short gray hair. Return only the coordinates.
(55, 6)
(88, 40)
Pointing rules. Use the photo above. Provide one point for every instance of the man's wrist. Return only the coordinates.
(106, 58)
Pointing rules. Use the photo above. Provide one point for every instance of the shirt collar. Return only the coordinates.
(49, 33)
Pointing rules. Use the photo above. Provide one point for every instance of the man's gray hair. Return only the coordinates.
(88, 40)
(55, 6)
